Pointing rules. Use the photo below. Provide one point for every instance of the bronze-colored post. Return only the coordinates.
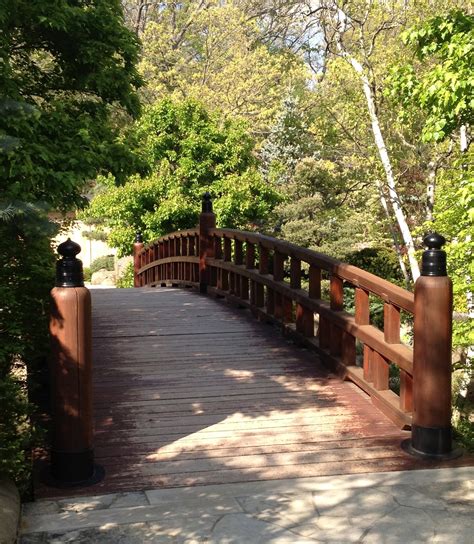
(72, 454)
(431, 428)
(137, 248)
(207, 221)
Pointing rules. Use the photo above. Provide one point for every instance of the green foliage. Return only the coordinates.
(106, 262)
(186, 151)
(64, 68)
(445, 89)
(454, 218)
(288, 142)
(214, 52)
(87, 274)
(125, 281)
(67, 81)
(381, 261)
(17, 435)
(26, 276)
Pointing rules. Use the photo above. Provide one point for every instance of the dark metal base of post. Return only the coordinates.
(431, 443)
(73, 469)
(203, 288)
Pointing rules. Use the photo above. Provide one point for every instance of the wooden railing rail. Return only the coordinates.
(321, 302)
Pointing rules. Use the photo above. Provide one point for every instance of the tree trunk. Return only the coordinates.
(396, 245)
(387, 165)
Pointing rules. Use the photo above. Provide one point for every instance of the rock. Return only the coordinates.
(9, 511)
(103, 277)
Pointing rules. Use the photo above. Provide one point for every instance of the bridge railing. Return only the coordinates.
(305, 292)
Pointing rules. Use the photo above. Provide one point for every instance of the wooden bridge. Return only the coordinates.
(235, 360)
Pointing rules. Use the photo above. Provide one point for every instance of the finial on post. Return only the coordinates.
(69, 268)
(138, 237)
(433, 261)
(206, 203)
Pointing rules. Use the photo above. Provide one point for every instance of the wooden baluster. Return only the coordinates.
(336, 303)
(304, 316)
(278, 275)
(324, 332)
(406, 391)
(380, 371)
(250, 265)
(218, 256)
(263, 269)
(362, 308)
(391, 323)
(314, 282)
(238, 260)
(348, 354)
(168, 265)
(250, 256)
(368, 358)
(228, 258)
(176, 254)
(197, 249)
(295, 273)
(187, 266)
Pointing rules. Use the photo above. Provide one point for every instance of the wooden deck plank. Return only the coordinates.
(188, 391)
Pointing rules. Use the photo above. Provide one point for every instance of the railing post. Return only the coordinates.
(137, 247)
(431, 428)
(207, 221)
(72, 454)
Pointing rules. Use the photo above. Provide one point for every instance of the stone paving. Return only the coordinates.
(424, 506)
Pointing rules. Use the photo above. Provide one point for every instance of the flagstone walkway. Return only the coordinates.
(423, 506)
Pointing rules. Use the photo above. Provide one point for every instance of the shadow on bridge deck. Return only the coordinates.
(189, 391)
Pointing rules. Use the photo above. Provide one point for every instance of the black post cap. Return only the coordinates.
(433, 261)
(138, 237)
(69, 268)
(206, 203)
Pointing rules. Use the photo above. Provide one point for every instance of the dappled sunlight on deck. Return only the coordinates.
(189, 391)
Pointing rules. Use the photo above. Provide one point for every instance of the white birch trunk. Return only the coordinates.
(387, 165)
(383, 202)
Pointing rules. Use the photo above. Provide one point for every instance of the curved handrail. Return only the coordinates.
(355, 276)
(250, 270)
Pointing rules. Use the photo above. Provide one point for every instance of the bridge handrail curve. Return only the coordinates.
(357, 277)
(250, 270)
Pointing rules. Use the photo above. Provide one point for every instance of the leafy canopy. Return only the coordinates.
(445, 89)
(184, 151)
(65, 67)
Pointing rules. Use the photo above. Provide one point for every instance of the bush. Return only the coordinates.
(26, 277)
(107, 262)
(87, 274)
(381, 261)
(126, 279)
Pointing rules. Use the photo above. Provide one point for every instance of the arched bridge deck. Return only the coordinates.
(191, 391)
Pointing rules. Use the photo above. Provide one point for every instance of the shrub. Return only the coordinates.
(126, 279)
(381, 261)
(26, 277)
(106, 262)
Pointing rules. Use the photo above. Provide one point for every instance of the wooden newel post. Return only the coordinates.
(137, 247)
(431, 428)
(207, 221)
(72, 454)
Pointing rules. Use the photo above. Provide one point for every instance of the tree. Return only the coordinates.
(64, 69)
(211, 52)
(445, 91)
(67, 79)
(287, 143)
(187, 151)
